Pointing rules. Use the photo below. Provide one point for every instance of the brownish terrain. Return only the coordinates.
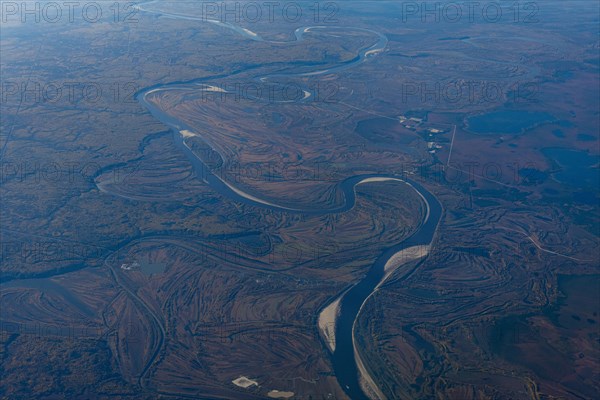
(125, 274)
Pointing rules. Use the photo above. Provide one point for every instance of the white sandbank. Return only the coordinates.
(276, 394)
(327, 321)
(244, 382)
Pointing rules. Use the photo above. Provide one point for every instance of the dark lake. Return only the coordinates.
(576, 168)
(506, 121)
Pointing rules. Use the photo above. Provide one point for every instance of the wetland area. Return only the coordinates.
(357, 201)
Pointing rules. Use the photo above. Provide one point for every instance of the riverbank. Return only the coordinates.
(327, 320)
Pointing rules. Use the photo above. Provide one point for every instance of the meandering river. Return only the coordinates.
(344, 361)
